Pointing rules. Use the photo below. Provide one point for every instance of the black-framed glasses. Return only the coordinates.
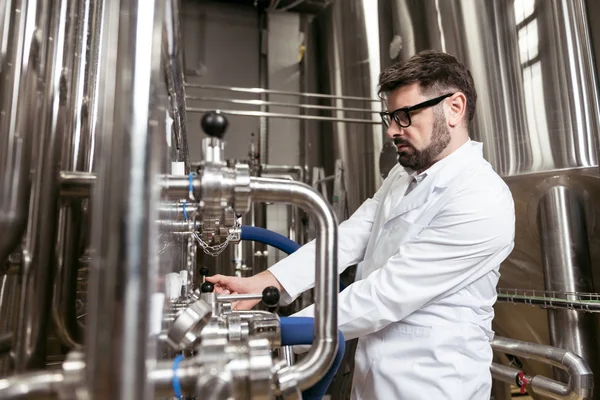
(402, 115)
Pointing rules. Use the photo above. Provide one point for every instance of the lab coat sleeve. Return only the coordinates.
(467, 239)
(296, 272)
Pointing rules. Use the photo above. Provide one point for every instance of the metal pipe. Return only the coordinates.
(19, 72)
(162, 376)
(78, 146)
(271, 91)
(244, 113)
(10, 295)
(321, 355)
(177, 187)
(31, 385)
(536, 384)
(75, 184)
(580, 376)
(567, 268)
(284, 169)
(506, 374)
(173, 63)
(124, 270)
(29, 351)
(263, 81)
(279, 104)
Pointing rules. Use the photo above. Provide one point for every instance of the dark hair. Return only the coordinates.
(434, 71)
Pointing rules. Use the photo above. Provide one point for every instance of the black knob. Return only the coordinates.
(207, 287)
(204, 271)
(214, 124)
(270, 296)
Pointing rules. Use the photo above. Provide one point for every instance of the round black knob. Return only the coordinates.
(214, 124)
(270, 296)
(204, 271)
(207, 287)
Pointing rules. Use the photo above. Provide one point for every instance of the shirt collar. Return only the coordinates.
(464, 152)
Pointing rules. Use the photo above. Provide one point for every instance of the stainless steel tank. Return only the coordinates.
(538, 117)
(349, 59)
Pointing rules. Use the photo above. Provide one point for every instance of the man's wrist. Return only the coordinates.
(270, 280)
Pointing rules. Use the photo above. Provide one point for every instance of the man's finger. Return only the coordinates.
(219, 279)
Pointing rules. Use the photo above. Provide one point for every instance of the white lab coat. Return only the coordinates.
(426, 282)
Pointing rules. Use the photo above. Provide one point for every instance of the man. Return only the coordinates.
(429, 242)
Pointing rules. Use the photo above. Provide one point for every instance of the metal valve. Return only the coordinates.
(188, 324)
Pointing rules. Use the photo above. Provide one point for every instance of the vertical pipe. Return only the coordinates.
(19, 70)
(78, 148)
(567, 268)
(257, 215)
(124, 270)
(263, 83)
(9, 312)
(38, 253)
(173, 63)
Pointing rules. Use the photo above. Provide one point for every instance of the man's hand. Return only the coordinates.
(234, 285)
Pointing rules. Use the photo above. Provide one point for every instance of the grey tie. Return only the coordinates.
(414, 182)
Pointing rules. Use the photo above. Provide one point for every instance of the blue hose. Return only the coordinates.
(270, 238)
(300, 331)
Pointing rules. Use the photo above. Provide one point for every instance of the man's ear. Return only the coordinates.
(456, 109)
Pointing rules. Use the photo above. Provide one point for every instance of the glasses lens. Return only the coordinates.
(402, 118)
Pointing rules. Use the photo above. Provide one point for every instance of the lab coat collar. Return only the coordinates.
(439, 175)
(443, 171)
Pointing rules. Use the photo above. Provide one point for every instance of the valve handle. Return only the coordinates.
(214, 124)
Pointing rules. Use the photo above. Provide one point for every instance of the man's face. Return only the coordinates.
(420, 144)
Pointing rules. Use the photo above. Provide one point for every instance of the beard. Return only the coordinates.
(420, 160)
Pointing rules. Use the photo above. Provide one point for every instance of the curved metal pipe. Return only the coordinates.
(322, 354)
(78, 147)
(581, 378)
(31, 384)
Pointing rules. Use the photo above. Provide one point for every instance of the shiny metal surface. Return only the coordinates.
(580, 376)
(78, 155)
(5, 342)
(10, 294)
(76, 184)
(523, 271)
(567, 268)
(310, 369)
(532, 65)
(173, 64)
(123, 272)
(350, 69)
(31, 385)
(38, 253)
(186, 327)
(20, 65)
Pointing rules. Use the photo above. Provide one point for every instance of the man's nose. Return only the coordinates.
(394, 130)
